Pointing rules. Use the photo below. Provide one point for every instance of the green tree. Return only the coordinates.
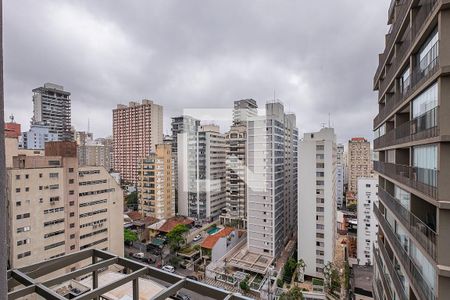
(293, 294)
(289, 269)
(352, 207)
(244, 285)
(176, 236)
(132, 200)
(129, 236)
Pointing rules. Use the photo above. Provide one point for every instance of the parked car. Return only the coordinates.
(179, 296)
(197, 238)
(168, 268)
(149, 260)
(192, 277)
(139, 255)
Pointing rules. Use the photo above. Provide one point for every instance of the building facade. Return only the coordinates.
(155, 184)
(272, 142)
(244, 110)
(56, 208)
(51, 108)
(359, 162)
(201, 173)
(340, 176)
(367, 223)
(96, 152)
(317, 200)
(411, 138)
(137, 128)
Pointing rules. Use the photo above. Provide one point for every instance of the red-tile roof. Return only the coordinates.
(134, 215)
(172, 222)
(211, 240)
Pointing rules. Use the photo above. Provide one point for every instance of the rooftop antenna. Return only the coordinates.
(89, 125)
(323, 124)
(11, 118)
(274, 98)
(329, 120)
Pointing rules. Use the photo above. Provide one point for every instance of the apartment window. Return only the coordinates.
(22, 255)
(23, 242)
(17, 177)
(53, 186)
(53, 175)
(54, 245)
(53, 162)
(53, 222)
(23, 216)
(72, 247)
(72, 225)
(71, 181)
(428, 54)
(405, 80)
(27, 176)
(72, 236)
(40, 187)
(320, 147)
(40, 175)
(72, 214)
(55, 233)
(70, 170)
(23, 229)
(71, 203)
(423, 109)
(18, 203)
(17, 190)
(71, 192)
(27, 189)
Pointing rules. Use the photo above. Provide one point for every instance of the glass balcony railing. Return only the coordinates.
(420, 179)
(418, 229)
(414, 273)
(420, 128)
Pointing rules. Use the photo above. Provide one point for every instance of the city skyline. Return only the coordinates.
(295, 67)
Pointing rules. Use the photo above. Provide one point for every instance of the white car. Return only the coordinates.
(168, 268)
(197, 238)
(139, 255)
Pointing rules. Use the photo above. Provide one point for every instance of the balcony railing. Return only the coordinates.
(418, 229)
(420, 179)
(382, 285)
(422, 127)
(391, 269)
(403, 8)
(414, 273)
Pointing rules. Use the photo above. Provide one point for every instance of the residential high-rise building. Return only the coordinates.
(56, 207)
(83, 137)
(367, 223)
(36, 137)
(96, 152)
(272, 142)
(340, 175)
(187, 128)
(201, 173)
(359, 162)
(236, 139)
(411, 138)
(244, 110)
(51, 108)
(137, 128)
(317, 200)
(155, 183)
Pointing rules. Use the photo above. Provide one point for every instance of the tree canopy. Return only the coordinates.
(129, 236)
(176, 236)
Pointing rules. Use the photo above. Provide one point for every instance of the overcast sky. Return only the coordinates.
(318, 56)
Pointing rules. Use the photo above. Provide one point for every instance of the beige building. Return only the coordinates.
(155, 183)
(359, 162)
(56, 208)
(96, 153)
(137, 128)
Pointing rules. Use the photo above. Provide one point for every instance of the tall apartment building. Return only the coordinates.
(272, 142)
(411, 130)
(96, 152)
(317, 200)
(244, 110)
(359, 162)
(36, 137)
(340, 175)
(367, 223)
(56, 208)
(155, 184)
(236, 139)
(51, 108)
(137, 128)
(201, 173)
(187, 128)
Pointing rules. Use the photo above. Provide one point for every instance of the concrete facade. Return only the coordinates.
(359, 162)
(272, 142)
(155, 184)
(137, 129)
(56, 208)
(317, 200)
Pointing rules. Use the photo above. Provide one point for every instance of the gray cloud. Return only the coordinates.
(319, 57)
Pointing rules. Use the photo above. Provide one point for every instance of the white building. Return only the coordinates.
(367, 223)
(201, 173)
(340, 175)
(317, 200)
(271, 180)
(37, 136)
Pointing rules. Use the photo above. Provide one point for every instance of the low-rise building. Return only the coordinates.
(217, 245)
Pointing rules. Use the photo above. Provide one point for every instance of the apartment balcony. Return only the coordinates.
(420, 179)
(418, 229)
(415, 276)
(391, 270)
(423, 127)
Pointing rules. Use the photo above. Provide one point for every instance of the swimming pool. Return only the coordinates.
(213, 230)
